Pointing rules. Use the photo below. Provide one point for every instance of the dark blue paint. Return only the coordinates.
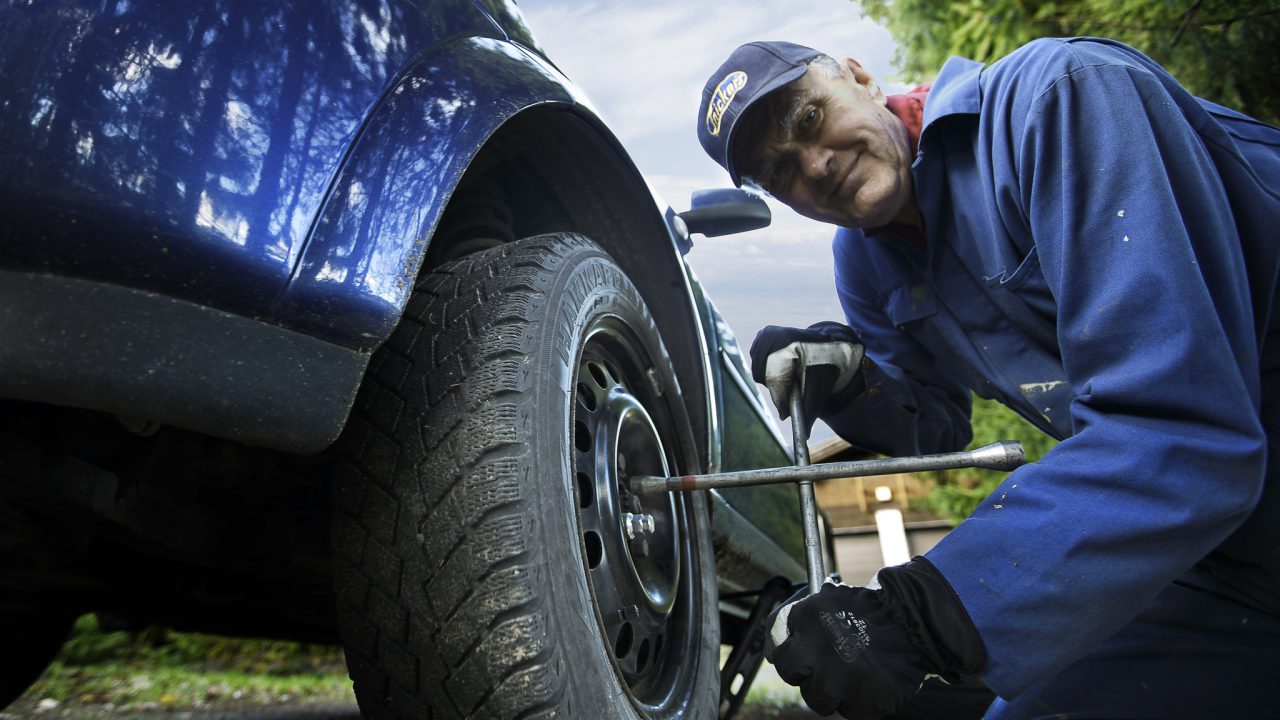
(358, 269)
(285, 160)
(186, 148)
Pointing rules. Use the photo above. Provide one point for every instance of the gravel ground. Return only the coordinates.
(781, 705)
(771, 699)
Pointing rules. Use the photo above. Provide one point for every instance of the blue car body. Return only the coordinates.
(297, 154)
(284, 162)
(214, 212)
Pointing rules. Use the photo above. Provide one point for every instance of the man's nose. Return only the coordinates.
(815, 161)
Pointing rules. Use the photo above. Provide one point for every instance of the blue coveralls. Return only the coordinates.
(1102, 256)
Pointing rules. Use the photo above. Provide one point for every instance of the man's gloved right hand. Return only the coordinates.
(865, 652)
(831, 356)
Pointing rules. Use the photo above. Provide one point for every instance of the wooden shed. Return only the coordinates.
(850, 504)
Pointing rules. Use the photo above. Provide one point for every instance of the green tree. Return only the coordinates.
(957, 492)
(1222, 50)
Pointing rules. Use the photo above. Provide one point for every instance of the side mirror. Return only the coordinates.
(724, 211)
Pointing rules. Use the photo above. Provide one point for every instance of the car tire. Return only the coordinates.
(32, 638)
(483, 564)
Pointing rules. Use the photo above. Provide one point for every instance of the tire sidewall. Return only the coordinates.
(590, 287)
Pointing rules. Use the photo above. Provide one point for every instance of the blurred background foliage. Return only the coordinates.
(92, 644)
(957, 492)
(1226, 51)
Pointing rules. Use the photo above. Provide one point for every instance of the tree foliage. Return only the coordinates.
(1222, 50)
(957, 493)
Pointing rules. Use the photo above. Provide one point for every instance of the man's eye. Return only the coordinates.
(809, 120)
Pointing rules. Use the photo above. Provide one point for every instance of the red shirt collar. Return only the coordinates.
(909, 108)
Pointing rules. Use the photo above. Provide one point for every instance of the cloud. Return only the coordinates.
(645, 63)
(769, 277)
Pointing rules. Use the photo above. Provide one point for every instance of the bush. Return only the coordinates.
(957, 493)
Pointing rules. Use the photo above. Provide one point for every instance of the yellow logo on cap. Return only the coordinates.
(721, 98)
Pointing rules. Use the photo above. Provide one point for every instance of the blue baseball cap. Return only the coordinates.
(752, 71)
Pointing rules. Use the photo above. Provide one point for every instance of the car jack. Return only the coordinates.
(744, 661)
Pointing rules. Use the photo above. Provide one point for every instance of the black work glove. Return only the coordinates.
(864, 652)
(831, 355)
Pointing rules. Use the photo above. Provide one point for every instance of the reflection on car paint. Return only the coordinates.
(370, 235)
(221, 121)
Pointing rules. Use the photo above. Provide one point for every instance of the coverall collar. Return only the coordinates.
(957, 91)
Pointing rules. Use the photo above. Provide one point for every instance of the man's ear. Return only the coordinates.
(864, 79)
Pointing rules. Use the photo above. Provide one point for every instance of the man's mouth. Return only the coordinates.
(839, 189)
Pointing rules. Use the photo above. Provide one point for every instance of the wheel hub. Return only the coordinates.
(648, 529)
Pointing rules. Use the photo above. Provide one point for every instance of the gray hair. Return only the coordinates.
(828, 65)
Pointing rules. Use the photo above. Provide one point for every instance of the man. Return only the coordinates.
(1070, 232)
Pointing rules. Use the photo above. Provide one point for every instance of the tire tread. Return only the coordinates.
(442, 402)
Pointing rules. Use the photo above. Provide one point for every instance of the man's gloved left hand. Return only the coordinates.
(826, 357)
(864, 652)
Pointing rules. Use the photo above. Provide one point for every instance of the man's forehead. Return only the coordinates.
(785, 118)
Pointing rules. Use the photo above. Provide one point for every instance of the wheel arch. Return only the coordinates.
(575, 177)
(484, 107)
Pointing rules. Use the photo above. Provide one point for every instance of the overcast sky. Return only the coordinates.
(644, 63)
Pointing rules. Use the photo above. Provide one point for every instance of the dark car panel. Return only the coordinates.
(758, 526)
(160, 360)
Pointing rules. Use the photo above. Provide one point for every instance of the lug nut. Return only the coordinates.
(638, 524)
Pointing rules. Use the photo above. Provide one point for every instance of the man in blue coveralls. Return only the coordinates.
(1070, 232)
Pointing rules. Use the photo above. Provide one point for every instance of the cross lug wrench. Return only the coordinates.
(748, 653)
(1003, 456)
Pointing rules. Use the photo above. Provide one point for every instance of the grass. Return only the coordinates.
(102, 674)
(126, 687)
(774, 704)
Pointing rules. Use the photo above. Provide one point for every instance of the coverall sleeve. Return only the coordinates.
(909, 407)
(1138, 246)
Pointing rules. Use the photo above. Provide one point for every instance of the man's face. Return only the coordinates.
(836, 153)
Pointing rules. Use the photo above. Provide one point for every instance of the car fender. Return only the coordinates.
(357, 268)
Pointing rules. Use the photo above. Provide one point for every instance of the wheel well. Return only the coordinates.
(549, 169)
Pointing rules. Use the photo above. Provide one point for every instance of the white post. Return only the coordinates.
(892, 530)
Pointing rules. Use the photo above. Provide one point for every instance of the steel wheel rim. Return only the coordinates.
(640, 581)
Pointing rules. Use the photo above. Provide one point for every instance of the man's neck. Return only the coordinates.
(910, 213)
(909, 108)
